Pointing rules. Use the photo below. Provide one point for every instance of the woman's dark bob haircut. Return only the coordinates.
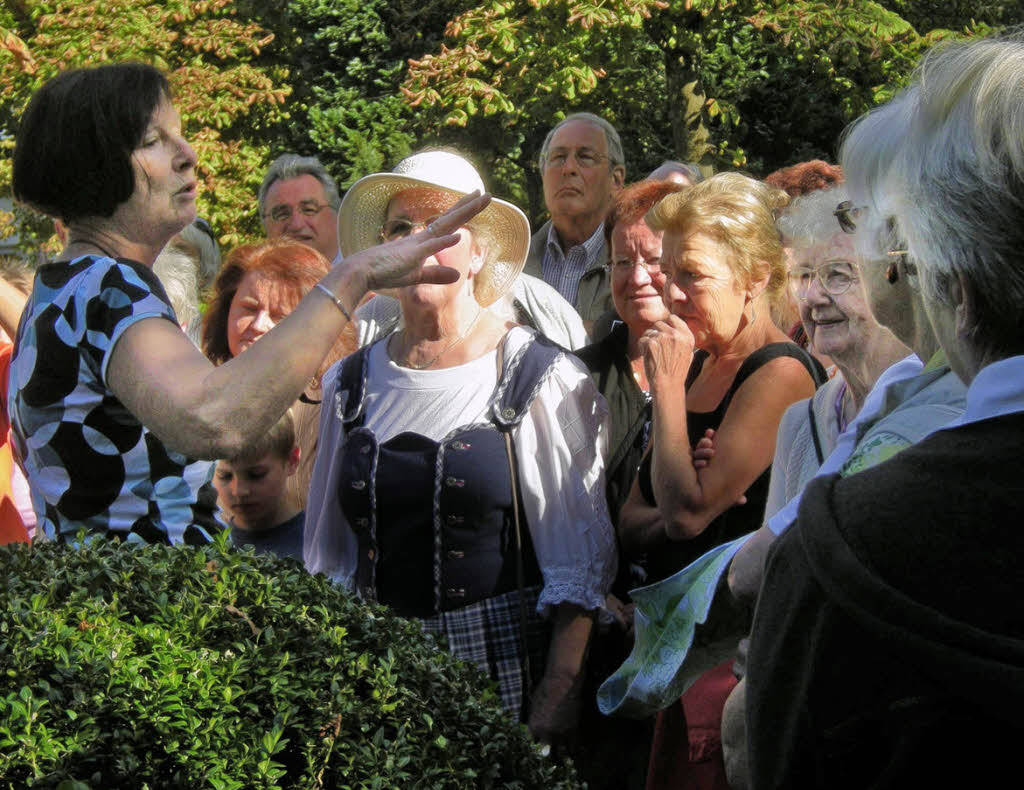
(72, 156)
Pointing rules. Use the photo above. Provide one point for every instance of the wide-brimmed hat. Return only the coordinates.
(364, 210)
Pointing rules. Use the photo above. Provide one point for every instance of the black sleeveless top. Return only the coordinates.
(739, 519)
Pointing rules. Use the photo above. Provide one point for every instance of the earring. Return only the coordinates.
(892, 273)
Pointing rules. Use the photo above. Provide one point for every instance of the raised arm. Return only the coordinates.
(213, 412)
(690, 498)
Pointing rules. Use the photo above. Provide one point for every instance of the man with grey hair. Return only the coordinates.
(582, 168)
(299, 199)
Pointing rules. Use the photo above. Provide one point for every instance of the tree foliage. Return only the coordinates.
(726, 83)
(346, 61)
(224, 94)
(754, 84)
(509, 69)
(345, 107)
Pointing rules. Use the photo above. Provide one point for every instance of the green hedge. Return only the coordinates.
(173, 667)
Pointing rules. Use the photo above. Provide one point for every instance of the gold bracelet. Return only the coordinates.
(334, 299)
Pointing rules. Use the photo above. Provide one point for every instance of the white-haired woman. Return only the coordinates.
(888, 646)
(429, 438)
(835, 311)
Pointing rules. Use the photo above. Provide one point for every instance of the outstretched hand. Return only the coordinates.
(400, 262)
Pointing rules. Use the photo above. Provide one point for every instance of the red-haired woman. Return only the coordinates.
(259, 285)
(616, 362)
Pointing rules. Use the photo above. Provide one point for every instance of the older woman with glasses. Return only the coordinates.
(616, 362)
(888, 647)
(908, 401)
(460, 473)
(825, 280)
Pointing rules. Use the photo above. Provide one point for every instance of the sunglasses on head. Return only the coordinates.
(846, 213)
(204, 226)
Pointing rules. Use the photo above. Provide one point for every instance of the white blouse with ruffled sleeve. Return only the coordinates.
(560, 445)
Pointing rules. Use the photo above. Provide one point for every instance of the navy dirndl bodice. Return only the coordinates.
(434, 520)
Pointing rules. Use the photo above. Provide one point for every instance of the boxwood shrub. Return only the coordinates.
(154, 667)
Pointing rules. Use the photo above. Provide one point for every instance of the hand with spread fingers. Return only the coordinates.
(401, 262)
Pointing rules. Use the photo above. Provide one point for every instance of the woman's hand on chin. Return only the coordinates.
(400, 262)
(668, 352)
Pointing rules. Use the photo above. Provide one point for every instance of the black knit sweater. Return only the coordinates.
(888, 644)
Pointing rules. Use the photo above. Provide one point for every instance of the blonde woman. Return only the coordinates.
(717, 362)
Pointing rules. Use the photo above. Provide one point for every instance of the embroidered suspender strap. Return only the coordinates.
(814, 431)
(506, 432)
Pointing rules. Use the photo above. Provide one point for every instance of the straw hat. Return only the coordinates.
(364, 210)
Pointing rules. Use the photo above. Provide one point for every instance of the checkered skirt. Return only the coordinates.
(486, 634)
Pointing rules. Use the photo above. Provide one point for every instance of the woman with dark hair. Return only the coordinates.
(258, 286)
(110, 402)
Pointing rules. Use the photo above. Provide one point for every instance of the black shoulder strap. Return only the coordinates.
(348, 395)
(814, 431)
(517, 518)
(766, 354)
(695, 366)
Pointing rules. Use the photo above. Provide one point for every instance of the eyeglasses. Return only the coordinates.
(835, 277)
(306, 209)
(625, 266)
(584, 157)
(400, 228)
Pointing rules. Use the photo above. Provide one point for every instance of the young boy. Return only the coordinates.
(251, 493)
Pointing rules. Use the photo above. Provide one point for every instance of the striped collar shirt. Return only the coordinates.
(563, 271)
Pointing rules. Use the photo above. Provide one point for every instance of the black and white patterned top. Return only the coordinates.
(90, 463)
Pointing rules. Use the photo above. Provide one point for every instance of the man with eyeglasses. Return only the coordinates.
(582, 168)
(299, 199)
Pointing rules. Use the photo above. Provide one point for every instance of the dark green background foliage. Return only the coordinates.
(159, 667)
(730, 84)
(345, 107)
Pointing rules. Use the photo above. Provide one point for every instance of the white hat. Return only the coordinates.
(365, 207)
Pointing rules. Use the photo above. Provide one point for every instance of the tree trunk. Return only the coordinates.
(691, 137)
